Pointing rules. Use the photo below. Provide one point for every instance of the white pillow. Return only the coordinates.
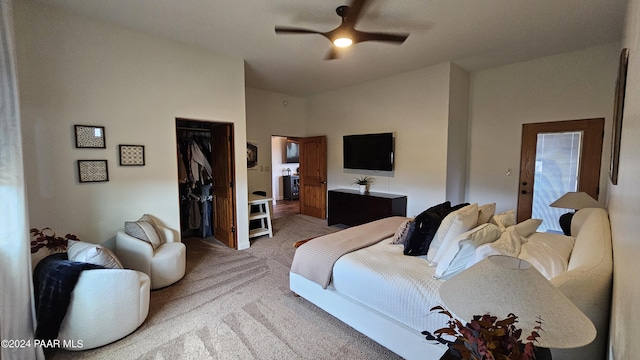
(548, 253)
(509, 244)
(451, 226)
(485, 212)
(93, 254)
(527, 227)
(458, 222)
(458, 252)
(560, 244)
(505, 219)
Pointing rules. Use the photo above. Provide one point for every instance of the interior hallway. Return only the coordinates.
(284, 208)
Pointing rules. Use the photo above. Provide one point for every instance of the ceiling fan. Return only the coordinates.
(345, 35)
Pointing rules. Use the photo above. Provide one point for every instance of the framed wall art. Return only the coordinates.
(93, 171)
(252, 155)
(618, 111)
(131, 155)
(89, 136)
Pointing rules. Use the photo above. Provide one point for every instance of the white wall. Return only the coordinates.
(575, 85)
(624, 206)
(73, 70)
(268, 114)
(414, 106)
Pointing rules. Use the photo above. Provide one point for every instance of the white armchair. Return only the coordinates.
(165, 265)
(106, 305)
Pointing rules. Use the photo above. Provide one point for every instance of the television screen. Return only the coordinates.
(292, 151)
(368, 152)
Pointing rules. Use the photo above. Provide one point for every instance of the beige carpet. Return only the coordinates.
(237, 305)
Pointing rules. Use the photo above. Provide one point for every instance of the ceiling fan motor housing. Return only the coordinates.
(342, 11)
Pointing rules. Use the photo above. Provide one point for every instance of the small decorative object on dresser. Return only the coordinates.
(364, 183)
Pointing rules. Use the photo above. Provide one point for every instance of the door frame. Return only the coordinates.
(233, 212)
(591, 153)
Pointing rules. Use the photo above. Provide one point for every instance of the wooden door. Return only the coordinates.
(590, 155)
(313, 176)
(224, 223)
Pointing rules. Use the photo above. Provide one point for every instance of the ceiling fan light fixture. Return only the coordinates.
(346, 35)
(342, 42)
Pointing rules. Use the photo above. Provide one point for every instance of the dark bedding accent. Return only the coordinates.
(424, 227)
(54, 278)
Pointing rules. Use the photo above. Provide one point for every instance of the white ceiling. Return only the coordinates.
(475, 34)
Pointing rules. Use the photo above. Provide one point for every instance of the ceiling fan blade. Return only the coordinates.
(292, 30)
(360, 36)
(353, 14)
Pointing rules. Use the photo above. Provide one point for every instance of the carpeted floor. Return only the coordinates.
(237, 305)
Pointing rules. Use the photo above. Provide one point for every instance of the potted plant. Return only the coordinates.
(364, 183)
(486, 338)
(47, 238)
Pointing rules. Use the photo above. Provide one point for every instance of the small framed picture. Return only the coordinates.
(252, 155)
(131, 155)
(89, 136)
(93, 171)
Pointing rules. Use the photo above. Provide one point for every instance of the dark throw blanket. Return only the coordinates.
(54, 279)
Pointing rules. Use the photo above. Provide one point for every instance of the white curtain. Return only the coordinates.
(16, 289)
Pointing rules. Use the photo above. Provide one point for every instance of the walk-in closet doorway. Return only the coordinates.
(206, 179)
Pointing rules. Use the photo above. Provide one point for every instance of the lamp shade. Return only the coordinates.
(575, 200)
(502, 285)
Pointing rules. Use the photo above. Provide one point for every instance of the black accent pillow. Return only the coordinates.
(423, 228)
(457, 207)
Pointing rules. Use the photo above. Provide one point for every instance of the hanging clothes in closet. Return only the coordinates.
(195, 178)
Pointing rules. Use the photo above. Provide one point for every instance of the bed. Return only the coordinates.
(378, 290)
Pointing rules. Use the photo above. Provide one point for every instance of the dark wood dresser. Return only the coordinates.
(349, 207)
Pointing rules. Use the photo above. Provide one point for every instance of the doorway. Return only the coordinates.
(556, 158)
(206, 179)
(310, 176)
(285, 177)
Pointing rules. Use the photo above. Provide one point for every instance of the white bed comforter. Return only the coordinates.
(399, 286)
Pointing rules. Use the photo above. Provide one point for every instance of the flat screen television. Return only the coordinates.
(368, 151)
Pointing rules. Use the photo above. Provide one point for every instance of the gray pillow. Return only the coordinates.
(93, 254)
(146, 230)
(401, 234)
